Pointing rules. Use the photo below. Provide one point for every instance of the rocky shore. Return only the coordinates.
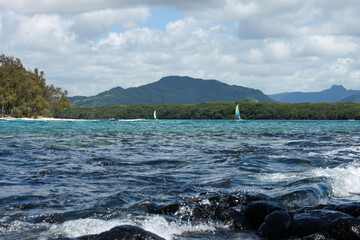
(267, 217)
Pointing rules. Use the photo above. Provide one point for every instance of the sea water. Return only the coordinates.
(73, 178)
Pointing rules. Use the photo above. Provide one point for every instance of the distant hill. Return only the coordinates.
(172, 89)
(334, 94)
(353, 98)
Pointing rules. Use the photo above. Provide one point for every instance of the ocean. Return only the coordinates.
(65, 179)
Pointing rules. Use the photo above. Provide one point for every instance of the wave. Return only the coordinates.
(130, 120)
(343, 179)
(155, 224)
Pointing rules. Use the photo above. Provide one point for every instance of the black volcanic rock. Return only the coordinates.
(345, 228)
(277, 225)
(125, 232)
(315, 221)
(315, 236)
(256, 212)
(172, 89)
(163, 209)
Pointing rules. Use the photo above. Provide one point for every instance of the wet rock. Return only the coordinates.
(256, 212)
(165, 210)
(235, 200)
(252, 197)
(315, 221)
(235, 219)
(204, 212)
(230, 200)
(277, 225)
(352, 209)
(345, 228)
(125, 232)
(315, 236)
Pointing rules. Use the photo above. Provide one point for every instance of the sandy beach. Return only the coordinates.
(9, 118)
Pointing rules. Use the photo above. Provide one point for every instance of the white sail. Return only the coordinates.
(155, 114)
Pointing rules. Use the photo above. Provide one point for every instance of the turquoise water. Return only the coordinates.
(72, 178)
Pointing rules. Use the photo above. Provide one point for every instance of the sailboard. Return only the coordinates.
(155, 115)
(237, 113)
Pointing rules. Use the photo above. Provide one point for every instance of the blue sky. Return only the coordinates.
(276, 46)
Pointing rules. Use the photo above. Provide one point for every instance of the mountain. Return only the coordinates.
(353, 98)
(172, 89)
(332, 95)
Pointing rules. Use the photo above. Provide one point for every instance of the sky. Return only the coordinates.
(89, 46)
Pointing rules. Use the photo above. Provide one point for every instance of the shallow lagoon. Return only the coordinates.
(72, 178)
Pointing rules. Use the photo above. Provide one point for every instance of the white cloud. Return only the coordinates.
(0, 26)
(93, 24)
(42, 33)
(70, 7)
(275, 46)
(329, 46)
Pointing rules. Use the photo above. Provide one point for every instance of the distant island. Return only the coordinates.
(335, 94)
(172, 90)
(24, 93)
(250, 110)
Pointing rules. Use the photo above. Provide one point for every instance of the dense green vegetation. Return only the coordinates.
(221, 110)
(174, 90)
(24, 93)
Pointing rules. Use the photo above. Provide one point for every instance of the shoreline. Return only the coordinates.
(9, 118)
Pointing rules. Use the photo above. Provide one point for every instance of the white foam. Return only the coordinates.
(155, 224)
(18, 226)
(344, 179)
(352, 152)
(46, 119)
(130, 120)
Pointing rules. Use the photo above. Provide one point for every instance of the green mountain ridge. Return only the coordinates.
(335, 94)
(352, 98)
(172, 90)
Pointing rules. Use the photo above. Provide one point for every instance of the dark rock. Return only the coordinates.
(314, 221)
(165, 210)
(235, 219)
(204, 211)
(216, 199)
(256, 212)
(277, 225)
(345, 228)
(235, 200)
(125, 232)
(352, 209)
(315, 236)
(252, 197)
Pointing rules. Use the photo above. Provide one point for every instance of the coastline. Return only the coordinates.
(9, 118)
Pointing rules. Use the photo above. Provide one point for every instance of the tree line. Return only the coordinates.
(221, 110)
(24, 93)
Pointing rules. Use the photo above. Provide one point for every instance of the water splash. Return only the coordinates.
(155, 224)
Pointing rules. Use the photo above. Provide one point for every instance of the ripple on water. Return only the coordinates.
(75, 178)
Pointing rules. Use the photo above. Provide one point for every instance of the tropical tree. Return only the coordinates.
(25, 93)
